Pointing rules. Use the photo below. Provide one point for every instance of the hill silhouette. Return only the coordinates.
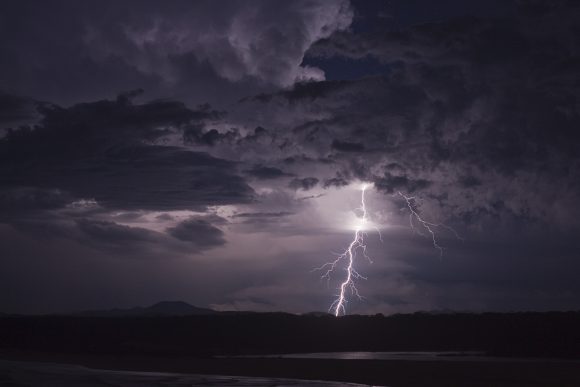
(163, 308)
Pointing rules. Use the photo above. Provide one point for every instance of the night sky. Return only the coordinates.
(213, 152)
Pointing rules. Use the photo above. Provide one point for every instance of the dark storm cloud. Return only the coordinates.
(62, 176)
(199, 51)
(198, 232)
(468, 181)
(392, 183)
(107, 151)
(111, 232)
(262, 214)
(345, 146)
(101, 125)
(16, 110)
(305, 184)
(128, 216)
(96, 231)
(16, 200)
(335, 182)
(98, 234)
(266, 173)
(301, 91)
(464, 104)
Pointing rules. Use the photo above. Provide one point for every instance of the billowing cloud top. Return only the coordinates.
(180, 48)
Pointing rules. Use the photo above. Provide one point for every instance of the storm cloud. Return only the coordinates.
(114, 152)
(215, 153)
(199, 232)
(168, 49)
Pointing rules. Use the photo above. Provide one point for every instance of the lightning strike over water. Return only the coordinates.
(350, 254)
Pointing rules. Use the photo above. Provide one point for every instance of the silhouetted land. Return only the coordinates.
(190, 344)
(555, 334)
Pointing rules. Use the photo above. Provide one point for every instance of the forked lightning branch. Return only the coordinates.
(357, 247)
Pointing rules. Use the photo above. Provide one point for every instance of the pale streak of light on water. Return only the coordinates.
(472, 356)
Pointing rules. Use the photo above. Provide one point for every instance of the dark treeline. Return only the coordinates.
(553, 334)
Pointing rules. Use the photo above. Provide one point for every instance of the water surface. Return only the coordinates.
(410, 355)
(33, 374)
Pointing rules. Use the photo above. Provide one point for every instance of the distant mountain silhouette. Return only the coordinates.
(163, 308)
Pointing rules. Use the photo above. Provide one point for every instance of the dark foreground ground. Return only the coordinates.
(208, 344)
(544, 335)
(393, 373)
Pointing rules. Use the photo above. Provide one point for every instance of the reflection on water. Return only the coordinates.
(414, 355)
(401, 355)
(30, 374)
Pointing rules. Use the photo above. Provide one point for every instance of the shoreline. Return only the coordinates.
(393, 373)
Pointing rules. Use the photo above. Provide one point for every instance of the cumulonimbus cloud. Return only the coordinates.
(264, 40)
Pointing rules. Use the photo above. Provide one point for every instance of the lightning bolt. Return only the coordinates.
(356, 245)
(427, 226)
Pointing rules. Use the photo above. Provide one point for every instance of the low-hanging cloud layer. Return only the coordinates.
(124, 197)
